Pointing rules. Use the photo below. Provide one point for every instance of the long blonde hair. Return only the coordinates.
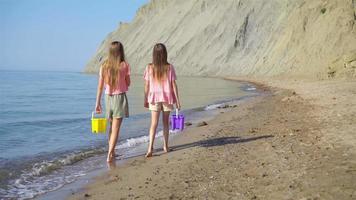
(160, 62)
(111, 66)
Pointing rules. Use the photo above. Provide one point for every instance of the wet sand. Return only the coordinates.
(297, 141)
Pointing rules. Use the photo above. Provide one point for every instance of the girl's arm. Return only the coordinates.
(146, 88)
(175, 90)
(127, 77)
(128, 80)
(98, 107)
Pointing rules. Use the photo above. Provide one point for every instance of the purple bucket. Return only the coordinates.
(177, 121)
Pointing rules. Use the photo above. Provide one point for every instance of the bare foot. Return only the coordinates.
(148, 154)
(110, 158)
(166, 149)
(111, 165)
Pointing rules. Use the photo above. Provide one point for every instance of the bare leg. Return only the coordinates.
(165, 120)
(153, 128)
(109, 134)
(110, 128)
(115, 131)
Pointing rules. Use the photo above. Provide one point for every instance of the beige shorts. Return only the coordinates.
(160, 106)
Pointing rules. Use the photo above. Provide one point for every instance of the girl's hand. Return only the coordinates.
(98, 108)
(178, 105)
(145, 104)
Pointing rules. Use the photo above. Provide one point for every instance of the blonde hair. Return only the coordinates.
(111, 66)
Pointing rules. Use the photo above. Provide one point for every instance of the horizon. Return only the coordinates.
(77, 33)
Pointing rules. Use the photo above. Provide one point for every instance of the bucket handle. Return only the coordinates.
(92, 114)
(177, 113)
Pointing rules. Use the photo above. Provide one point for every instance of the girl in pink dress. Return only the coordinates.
(161, 92)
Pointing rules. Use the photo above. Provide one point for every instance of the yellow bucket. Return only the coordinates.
(98, 125)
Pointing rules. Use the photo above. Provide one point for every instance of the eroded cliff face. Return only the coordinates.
(297, 38)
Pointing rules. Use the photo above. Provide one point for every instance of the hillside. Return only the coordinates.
(290, 38)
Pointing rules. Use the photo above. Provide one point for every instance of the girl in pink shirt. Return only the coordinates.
(161, 92)
(115, 76)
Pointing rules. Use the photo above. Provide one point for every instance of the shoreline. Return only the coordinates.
(42, 174)
(271, 147)
(194, 116)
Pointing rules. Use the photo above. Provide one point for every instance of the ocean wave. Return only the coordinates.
(43, 176)
(45, 167)
(132, 142)
(250, 88)
(29, 187)
(45, 123)
(50, 175)
(213, 106)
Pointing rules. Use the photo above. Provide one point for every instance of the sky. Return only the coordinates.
(57, 35)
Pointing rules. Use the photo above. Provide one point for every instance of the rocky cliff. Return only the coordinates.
(297, 38)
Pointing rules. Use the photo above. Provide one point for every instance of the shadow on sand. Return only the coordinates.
(218, 142)
(213, 142)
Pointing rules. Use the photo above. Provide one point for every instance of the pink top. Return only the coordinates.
(122, 84)
(160, 91)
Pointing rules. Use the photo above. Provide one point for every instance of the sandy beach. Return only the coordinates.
(267, 87)
(295, 141)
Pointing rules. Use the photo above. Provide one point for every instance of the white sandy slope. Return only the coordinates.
(289, 38)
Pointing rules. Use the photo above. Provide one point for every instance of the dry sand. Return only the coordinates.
(297, 141)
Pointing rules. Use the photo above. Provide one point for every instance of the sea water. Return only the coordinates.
(45, 132)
